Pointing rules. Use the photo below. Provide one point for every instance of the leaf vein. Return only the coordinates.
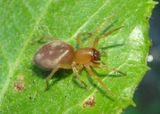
(13, 67)
(89, 19)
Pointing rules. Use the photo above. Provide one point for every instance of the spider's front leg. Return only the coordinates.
(80, 35)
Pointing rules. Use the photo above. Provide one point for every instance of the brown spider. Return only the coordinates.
(60, 55)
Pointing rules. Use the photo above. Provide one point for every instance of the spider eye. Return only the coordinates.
(96, 55)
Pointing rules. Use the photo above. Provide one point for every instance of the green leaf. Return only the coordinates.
(26, 24)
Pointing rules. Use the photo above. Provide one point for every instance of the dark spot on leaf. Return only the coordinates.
(30, 97)
(19, 86)
(19, 83)
(90, 102)
(34, 81)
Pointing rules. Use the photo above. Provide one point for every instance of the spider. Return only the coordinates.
(60, 55)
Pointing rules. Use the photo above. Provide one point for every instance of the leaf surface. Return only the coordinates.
(26, 24)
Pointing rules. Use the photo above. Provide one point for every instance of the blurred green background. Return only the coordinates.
(147, 95)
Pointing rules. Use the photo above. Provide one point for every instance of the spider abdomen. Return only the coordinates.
(53, 54)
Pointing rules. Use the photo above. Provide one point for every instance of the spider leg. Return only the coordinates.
(49, 77)
(76, 70)
(89, 70)
(79, 35)
(98, 30)
(104, 36)
(101, 65)
(102, 25)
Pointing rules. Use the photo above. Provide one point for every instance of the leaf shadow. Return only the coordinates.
(77, 83)
(108, 74)
(38, 72)
(59, 75)
(112, 46)
(111, 25)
